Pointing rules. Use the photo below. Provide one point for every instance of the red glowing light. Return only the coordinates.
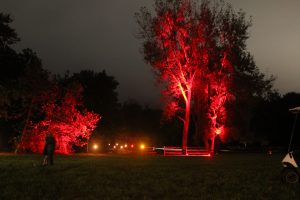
(131, 145)
(218, 131)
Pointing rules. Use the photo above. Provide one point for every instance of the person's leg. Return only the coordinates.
(45, 162)
(51, 158)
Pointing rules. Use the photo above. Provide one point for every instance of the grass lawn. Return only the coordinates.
(226, 176)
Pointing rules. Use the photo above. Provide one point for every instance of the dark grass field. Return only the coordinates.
(226, 176)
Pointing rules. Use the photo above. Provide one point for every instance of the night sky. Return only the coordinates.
(76, 34)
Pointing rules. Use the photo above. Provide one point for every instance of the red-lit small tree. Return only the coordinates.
(232, 70)
(64, 116)
(219, 95)
(214, 88)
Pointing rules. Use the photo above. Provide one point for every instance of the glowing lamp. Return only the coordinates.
(142, 146)
(121, 147)
(218, 131)
(131, 145)
(95, 146)
(125, 145)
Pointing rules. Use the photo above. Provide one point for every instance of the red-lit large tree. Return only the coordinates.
(174, 46)
(65, 116)
(195, 51)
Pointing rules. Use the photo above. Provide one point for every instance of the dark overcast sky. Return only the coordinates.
(99, 34)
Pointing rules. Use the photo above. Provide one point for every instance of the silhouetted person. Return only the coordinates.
(49, 149)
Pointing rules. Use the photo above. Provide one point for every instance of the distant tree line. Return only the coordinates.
(27, 91)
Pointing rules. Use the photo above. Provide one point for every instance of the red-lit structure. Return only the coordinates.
(69, 125)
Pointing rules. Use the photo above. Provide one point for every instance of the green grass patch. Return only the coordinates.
(227, 176)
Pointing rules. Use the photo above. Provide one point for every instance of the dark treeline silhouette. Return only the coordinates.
(25, 86)
(272, 122)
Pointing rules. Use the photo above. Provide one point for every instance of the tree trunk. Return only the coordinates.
(186, 123)
(212, 147)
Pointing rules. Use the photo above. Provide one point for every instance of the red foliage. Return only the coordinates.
(219, 95)
(70, 124)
